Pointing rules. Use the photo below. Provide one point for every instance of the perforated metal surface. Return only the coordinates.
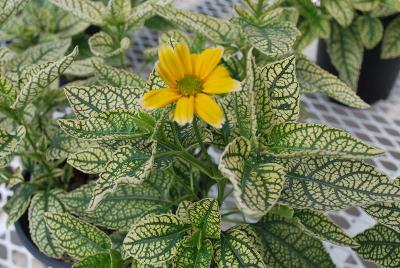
(379, 125)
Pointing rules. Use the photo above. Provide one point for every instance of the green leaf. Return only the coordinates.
(42, 79)
(118, 11)
(189, 256)
(127, 166)
(297, 139)
(323, 228)
(9, 8)
(144, 11)
(126, 205)
(365, 5)
(118, 124)
(312, 79)
(110, 259)
(346, 53)
(41, 203)
(61, 145)
(121, 78)
(238, 247)
(274, 39)
(287, 245)
(341, 10)
(257, 185)
(91, 161)
(83, 68)
(381, 245)
(217, 30)
(326, 184)
(89, 102)
(18, 203)
(102, 45)
(9, 143)
(390, 43)
(370, 30)
(155, 239)
(78, 238)
(87, 10)
(206, 217)
(182, 211)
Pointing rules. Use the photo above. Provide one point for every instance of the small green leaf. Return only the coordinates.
(206, 217)
(18, 203)
(238, 247)
(87, 10)
(321, 227)
(341, 10)
(9, 143)
(118, 11)
(110, 259)
(370, 30)
(90, 101)
(312, 79)
(217, 30)
(155, 239)
(43, 79)
(41, 203)
(118, 124)
(346, 53)
(144, 11)
(78, 238)
(102, 45)
(121, 78)
(365, 5)
(189, 256)
(257, 185)
(182, 211)
(287, 245)
(381, 245)
(296, 139)
(92, 160)
(390, 43)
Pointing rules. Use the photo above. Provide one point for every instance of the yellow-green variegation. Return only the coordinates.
(110, 259)
(190, 256)
(390, 43)
(205, 216)
(119, 78)
(102, 45)
(18, 203)
(92, 160)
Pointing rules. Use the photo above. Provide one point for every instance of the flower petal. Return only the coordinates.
(158, 98)
(219, 82)
(184, 110)
(208, 110)
(183, 52)
(169, 66)
(206, 62)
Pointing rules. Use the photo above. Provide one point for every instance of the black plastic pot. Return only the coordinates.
(22, 230)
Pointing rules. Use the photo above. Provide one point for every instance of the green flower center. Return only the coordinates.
(189, 85)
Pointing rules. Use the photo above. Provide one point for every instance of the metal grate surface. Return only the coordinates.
(379, 125)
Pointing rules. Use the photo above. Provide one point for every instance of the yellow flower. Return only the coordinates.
(191, 80)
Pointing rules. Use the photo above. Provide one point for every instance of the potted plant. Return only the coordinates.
(359, 41)
(146, 144)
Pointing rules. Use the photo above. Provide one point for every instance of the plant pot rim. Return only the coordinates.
(32, 248)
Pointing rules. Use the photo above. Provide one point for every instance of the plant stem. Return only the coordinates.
(200, 141)
(221, 191)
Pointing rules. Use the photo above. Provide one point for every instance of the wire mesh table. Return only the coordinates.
(379, 126)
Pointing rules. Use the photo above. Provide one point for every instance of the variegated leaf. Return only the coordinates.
(118, 11)
(117, 77)
(127, 205)
(206, 217)
(346, 53)
(111, 259)
(9, 143)
(341, 10)
(370, 30)
(323, 228)
(390, 43)
(9, 8)
(365, 5)
(91, 161)
(85, 9)
(78, 238)
(83, 67)
(127, 166)
(154, 81)
(43, 79)
(89, 102)
(6, 55)
(238, 247)
(144, 11)
(217, 30)
(275, 38)
(182, 211)
(41, 203)
(297, 139)
(61, 145)
(18, 203)
(326, 184)
(117, 124)
(102, 45)
(286, 245)
(155, 239)
(381, 245)
(312, 79)
(257, 185)
(189, 256)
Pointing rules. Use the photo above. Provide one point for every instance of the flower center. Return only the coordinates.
(189, 85)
